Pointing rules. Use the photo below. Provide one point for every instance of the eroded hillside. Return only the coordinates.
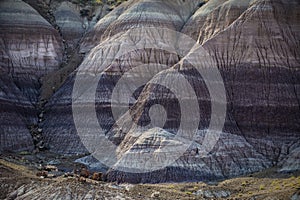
(254, 46)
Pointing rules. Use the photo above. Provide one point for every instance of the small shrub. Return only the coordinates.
(274, 183)
(262, 187)
(43, 174)
(84, 173)
(97, 176)
(244, 183)
(24, 153)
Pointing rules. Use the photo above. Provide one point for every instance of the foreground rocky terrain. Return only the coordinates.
(18, 181)
(253, 44)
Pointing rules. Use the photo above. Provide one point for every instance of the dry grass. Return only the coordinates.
(20, 169)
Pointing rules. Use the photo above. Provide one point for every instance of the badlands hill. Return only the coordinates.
(254, 45)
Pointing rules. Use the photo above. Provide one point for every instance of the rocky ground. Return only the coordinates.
(22, 178)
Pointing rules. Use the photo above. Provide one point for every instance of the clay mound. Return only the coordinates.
(70, 23)
(253, 45)
(136, 13)
(260, 76)
(29, 45)
(213, 17)
(29, 48)
(101, 59)
(16, 113)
